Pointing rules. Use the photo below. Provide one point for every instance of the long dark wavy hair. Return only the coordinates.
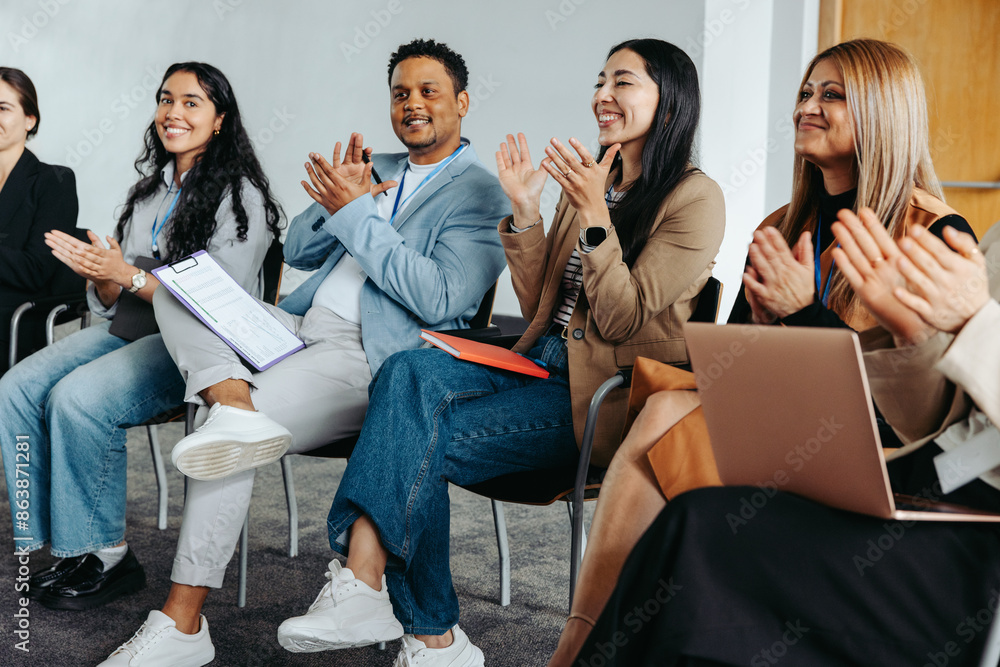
(220, 170)
(667, 154)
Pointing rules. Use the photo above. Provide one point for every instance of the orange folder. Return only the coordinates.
(481, 353)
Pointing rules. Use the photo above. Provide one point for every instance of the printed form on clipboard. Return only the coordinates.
(223, 306)
(482, 353)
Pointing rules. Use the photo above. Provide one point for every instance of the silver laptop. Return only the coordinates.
(790, 409)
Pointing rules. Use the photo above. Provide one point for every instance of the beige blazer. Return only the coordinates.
(947, 389)
(621, 313)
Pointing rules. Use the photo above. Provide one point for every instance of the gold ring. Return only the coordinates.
(590, 164)
(877, 260)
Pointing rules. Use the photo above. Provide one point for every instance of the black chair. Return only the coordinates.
(33, 322)
(571, 484)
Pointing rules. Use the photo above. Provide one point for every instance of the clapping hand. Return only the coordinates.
(521, 182)
(869, 260)
(780, 280)
(583, 179)
(337, 183)
(91, 260)
(945, 287)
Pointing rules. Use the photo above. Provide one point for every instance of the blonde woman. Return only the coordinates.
(860, 140)
(806, 584)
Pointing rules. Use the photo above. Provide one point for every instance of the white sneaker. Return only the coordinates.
(159, 643)
(346, 613)
(230, 440)
(461, 653)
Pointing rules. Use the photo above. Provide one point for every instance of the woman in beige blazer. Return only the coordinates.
(860, 140)
(633, 242)
(806, 584)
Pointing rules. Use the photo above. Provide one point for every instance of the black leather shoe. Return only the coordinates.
(41, 581)
(89, 586)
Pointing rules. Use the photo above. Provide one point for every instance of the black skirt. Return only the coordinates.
(734, 576)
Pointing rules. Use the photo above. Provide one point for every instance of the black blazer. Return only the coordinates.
(36, 198)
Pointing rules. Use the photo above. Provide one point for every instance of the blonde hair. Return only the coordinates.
(886, 103)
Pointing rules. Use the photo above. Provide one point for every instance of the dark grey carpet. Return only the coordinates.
(523, 634)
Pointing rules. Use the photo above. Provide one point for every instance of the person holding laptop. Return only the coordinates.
(861, 139)
(827, 586)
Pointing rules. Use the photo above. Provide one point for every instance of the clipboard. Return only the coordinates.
(222, 305)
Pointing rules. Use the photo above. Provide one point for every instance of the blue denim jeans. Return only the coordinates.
(71, 402)
(434, 419)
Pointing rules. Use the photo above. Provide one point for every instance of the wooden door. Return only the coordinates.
(957, 45)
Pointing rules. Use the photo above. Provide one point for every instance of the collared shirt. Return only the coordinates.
(223, 245)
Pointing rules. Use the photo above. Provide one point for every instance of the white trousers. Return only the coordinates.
(320, 394)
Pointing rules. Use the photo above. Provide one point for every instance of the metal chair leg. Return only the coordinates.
(293, 506)
(503, 549)
(161, 474)
(241, 594)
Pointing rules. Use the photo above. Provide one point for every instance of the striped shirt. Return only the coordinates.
(572, 279)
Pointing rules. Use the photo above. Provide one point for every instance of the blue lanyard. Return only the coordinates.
(157, 230)
(444, 163)
(825, 292)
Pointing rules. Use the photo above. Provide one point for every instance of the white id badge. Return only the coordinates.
(960, 466)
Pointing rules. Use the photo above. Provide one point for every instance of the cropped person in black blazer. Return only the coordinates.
(34, 198)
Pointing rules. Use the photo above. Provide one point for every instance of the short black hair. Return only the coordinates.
(428, 48)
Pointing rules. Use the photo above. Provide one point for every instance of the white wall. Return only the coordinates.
(306, 74)
(754, 57)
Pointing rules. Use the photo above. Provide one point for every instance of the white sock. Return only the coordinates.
(111, 556)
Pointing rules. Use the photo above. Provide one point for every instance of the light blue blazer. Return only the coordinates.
(428, 270)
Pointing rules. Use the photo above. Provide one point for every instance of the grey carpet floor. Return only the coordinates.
(522, 634)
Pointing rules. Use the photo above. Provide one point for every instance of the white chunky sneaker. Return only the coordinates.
(159, 643)
(346, 613)
(461, 653)
(231, 440)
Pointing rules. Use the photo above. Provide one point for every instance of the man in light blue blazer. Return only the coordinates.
(417, 251)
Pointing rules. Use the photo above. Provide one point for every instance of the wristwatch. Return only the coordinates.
(138, 281)
(593, 236)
